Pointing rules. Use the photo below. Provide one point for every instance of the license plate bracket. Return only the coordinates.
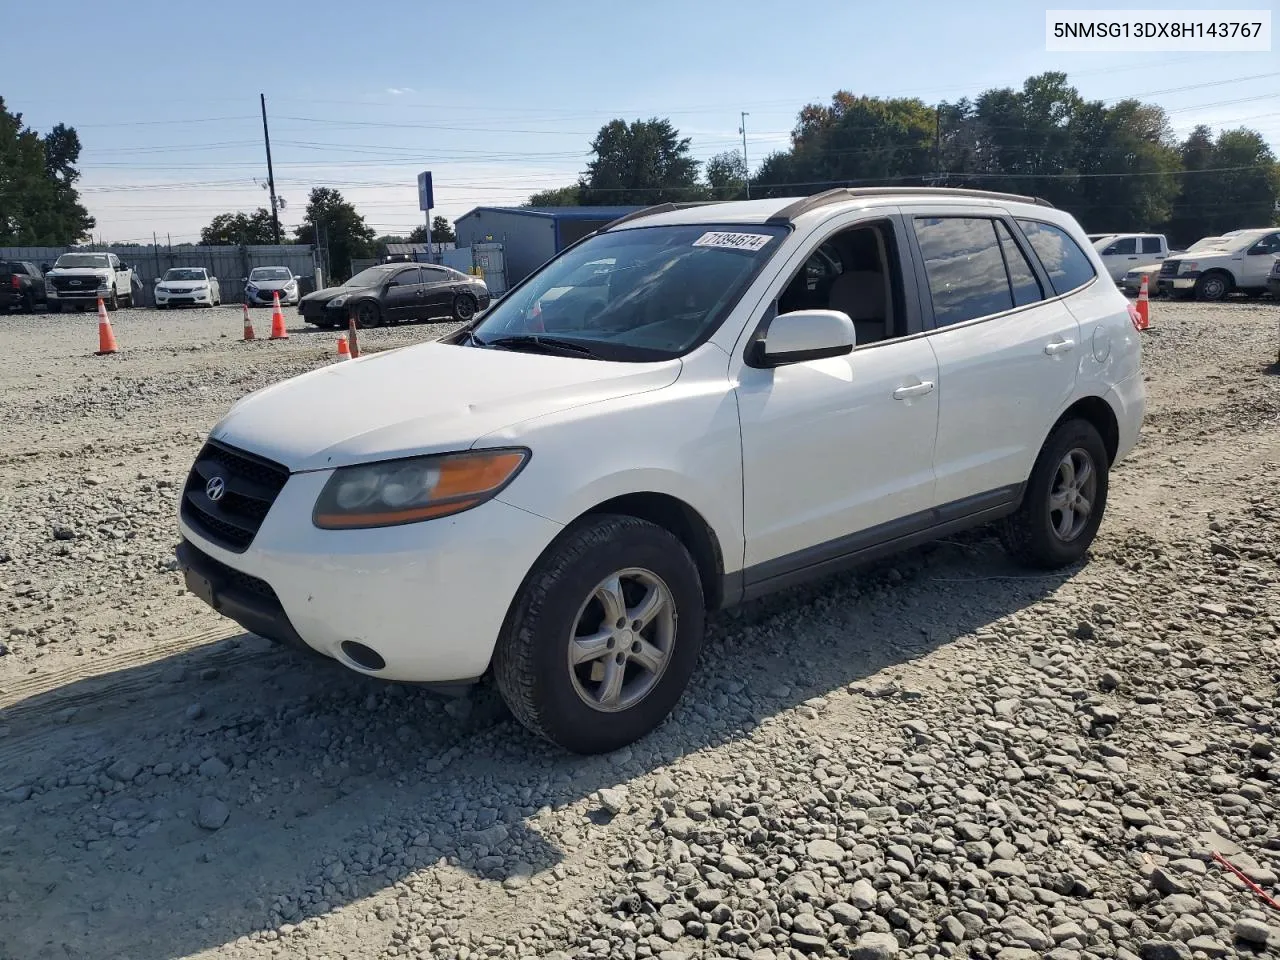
(201, 587)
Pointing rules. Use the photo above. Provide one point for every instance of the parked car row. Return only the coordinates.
(1238, 261)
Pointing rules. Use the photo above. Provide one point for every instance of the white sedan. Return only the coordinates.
(193, 286)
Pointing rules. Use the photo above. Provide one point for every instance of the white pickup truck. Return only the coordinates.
(79, 279)
(1240, 262)
(1121, 252)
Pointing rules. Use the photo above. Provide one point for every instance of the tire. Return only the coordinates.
(159, 306)
(1213, 286)
(562, 598)
(54, 307)
(368, 314)
(1041, 535)
(113, 302)
(28, 302)
(464, 307)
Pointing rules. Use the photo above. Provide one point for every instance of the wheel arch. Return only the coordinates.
(1096, 411)
(683, 522)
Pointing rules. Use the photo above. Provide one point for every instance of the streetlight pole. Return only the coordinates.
(746, 169)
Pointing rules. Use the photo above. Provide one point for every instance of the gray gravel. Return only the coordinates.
(944, 755)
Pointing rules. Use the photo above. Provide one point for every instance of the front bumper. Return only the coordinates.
(78, 296)
(178, 299)
(1180, 282)
(263, 298)
(429, 598)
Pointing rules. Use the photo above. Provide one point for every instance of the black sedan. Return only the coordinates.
(396, 292)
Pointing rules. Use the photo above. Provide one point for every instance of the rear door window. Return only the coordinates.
(1151, 245)
(1022, 278)
(1066, 264)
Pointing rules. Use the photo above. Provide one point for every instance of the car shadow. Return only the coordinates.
(327, 787)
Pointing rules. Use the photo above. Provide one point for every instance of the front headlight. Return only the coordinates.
(1188, 266)
(251, 287)
(418, 488)
(338, 301)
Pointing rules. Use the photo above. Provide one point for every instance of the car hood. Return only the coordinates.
(328, 293)
(428, 398)
(78, 271)
(277, 285)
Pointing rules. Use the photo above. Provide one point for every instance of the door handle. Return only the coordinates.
(1059, 346)
(915, 390)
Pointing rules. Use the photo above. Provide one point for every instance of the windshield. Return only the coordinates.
(646, 293)
(184, 273)
(82, 260)
(270, 273)
(373, 276)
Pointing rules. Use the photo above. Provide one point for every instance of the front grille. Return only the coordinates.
(231, 577)
(1169, 268)
(76, 284)
(251, 485)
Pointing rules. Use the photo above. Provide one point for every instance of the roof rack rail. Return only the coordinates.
(655, 209)
(804, 205)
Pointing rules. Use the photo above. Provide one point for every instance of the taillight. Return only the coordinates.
(13, 282)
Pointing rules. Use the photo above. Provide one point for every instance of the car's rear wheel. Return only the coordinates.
(28, 302)
(602, 639)
(54, 307)
(464, 307)
(1064, 500)
(368, 314)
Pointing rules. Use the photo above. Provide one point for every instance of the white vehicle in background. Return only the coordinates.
(1122, 252)
(263, 282)
(79, 279)
(189, 286)
(1240, 263)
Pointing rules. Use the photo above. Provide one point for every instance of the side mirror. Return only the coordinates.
(803, 335)
(244, 279)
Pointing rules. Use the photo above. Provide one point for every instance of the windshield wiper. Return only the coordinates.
(537, 341)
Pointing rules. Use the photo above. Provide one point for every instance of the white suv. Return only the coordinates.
(722, 400)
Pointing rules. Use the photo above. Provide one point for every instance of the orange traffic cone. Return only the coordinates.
(106, 338)
(278, 330)
(248, 325)
(344, 353)
(1144, 306)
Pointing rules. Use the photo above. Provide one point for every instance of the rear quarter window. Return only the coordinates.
(1066, 264)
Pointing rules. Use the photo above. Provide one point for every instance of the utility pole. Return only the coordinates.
(271, 179)
(937, 145)
(746, 169)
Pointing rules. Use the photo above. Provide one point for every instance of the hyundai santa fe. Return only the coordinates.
(693, 406)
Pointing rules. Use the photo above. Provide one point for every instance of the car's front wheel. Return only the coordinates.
(1213, 286)
(113, 301)
(1064, 499)
(604, 635)
(368, 314)
(464, 307)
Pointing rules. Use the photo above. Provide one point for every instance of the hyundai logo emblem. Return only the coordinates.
(215, 488)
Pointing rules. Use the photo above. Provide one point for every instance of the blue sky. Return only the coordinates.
(502, 98)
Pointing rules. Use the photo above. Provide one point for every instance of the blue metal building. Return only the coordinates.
(531, 235)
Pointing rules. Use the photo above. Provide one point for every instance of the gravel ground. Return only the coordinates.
(939, 756)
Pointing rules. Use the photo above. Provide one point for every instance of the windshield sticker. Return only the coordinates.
(733, 241)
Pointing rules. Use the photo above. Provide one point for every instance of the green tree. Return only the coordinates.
(233, 229)
(39, 204)
(726, 174)
(341, 231)
(644, 162)
(441, 232)
(570, 196)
